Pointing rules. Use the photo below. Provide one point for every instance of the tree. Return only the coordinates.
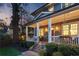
(18, 14)
(14, 22)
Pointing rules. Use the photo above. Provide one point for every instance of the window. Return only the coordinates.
(65, 29)
(41, 32)
(57, 6)
(51, 9)
(73, 29)
(67, 4)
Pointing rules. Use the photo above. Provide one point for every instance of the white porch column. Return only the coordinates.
(49, 31)
(26, 32)
(37, 26)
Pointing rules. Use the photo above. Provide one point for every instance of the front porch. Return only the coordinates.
(62, 28)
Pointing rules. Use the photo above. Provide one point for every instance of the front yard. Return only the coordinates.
(15, 51)
(8, 51)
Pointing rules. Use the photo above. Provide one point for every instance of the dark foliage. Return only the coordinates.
(62, 49)
(50, 48)
(5, 41)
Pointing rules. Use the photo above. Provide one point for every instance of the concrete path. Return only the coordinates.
(30, 53)
(33, 51)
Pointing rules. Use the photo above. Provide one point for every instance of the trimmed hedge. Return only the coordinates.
(62, 49)
(75, 50)
(69, 50)
(50, 48)
(65, 50)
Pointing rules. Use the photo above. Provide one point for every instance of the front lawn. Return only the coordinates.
(7, 51)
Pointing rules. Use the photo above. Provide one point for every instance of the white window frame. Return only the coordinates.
(75, 28)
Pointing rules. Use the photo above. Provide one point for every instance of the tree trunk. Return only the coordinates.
(15, 21)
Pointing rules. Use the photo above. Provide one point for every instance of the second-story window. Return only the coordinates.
(57, 6)
(51, 9)
(67, 4)
(64, 5)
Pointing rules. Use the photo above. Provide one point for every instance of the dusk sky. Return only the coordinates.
(6, 10)
(5, 13)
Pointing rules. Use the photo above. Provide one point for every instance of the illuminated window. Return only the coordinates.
(51, 9)
(65, 29)
(73, 29)
(41, 32)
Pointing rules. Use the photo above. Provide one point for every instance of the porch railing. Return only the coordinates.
(71, 40)
(66, 40)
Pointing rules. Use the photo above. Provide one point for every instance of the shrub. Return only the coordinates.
(26, 44)
(50, 48)
(62, 49)
(57, 53)
(5, 41)
(42, 52)
(22, 44)
(75, 50)
(29, 44)
(65, 49)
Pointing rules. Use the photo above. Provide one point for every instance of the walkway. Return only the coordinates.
(30, 53)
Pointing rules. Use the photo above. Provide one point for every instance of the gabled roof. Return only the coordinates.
(40, 9)
(54, 13)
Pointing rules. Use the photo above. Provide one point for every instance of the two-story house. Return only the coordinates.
(56, 20)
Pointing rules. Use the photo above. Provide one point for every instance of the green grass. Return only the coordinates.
(9, 52)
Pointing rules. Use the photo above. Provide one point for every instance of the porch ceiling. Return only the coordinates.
(60, 18)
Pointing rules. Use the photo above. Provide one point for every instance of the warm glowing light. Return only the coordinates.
(73, 29)
(52, 28)
(41, 32)
(65, 30)
(22, 37)
(57, 28)
(51, 9)
(46, 29)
